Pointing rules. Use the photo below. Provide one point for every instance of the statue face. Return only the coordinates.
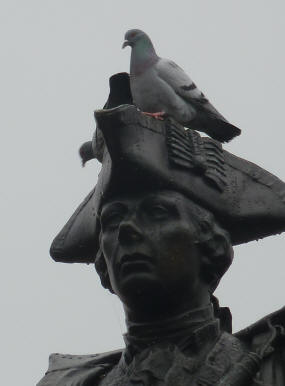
(149, 244)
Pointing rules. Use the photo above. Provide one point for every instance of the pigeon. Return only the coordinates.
(161, 88)
(86, 152)
(120, 93)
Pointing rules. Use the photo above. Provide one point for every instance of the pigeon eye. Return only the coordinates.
(133, 34)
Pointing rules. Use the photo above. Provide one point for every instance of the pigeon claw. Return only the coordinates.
(159, 115)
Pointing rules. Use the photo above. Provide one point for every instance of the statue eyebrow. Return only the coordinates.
(162, 199)
(112, 205)
(155, 198)
(162, 196)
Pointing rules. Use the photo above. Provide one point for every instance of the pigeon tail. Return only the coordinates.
(217, 129)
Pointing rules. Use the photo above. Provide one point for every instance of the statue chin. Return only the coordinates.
(142, 291)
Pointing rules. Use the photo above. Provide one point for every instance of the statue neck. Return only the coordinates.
(184, 330)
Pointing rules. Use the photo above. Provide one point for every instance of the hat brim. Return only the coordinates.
(143, 153)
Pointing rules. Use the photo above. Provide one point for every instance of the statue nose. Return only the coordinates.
(129, 233)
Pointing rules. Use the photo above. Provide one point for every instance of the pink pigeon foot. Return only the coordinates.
(159, 115)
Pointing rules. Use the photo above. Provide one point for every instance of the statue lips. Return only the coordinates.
(135, 262)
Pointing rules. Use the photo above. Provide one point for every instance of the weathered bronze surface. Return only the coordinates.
(160, 225)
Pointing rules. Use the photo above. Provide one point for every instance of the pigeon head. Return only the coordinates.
(143, 53)
(133, 36)
(86, 152)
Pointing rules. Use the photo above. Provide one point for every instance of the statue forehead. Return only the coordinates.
(144, 195)
(135, 199)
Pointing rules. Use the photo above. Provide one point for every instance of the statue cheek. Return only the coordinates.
(177, 238)
(179, 249)
(107, 245)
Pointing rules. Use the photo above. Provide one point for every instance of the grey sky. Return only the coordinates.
(56, 58)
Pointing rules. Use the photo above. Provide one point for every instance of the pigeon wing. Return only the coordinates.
(184, 86)
(207, 119)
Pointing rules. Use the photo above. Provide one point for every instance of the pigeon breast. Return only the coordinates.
(151, 93)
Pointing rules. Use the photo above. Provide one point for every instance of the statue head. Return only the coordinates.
(222, 200)
(159, 246)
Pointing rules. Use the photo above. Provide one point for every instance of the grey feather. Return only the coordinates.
(160, 85)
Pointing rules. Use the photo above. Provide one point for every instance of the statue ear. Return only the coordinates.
(216, 253)
(208, 270)
(102, 270)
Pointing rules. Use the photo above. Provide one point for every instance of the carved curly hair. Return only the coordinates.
(212, 240)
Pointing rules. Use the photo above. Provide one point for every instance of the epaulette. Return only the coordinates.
(72, 370)
(266, 338)
(275, 319)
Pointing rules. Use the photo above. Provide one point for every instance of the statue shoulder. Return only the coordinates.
(72, 370)
(253, 356)
(266, 338)
(275, 320)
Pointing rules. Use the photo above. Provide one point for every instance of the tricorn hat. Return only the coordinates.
(141, 153)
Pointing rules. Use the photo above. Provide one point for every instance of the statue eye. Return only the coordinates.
(111, 219)
(158, 210)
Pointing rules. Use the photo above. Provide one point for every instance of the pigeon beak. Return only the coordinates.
(126, 43)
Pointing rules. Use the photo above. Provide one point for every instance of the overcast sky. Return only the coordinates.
(56, 58)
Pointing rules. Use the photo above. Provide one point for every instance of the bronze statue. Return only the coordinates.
(160, 225)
